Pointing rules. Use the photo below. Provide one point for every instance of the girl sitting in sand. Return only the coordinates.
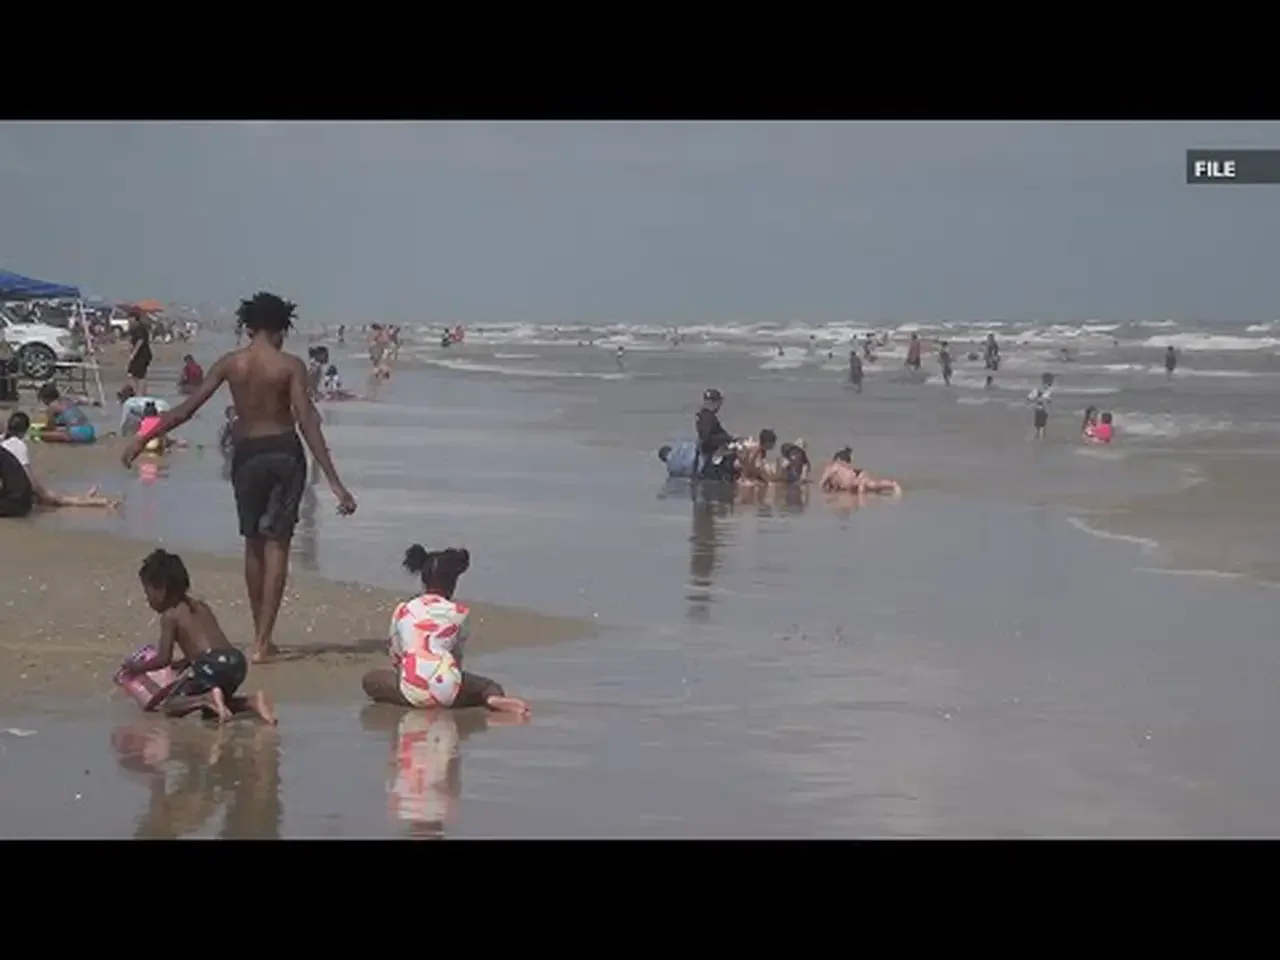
(428, 634)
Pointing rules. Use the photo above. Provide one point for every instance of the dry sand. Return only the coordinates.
(71, 607)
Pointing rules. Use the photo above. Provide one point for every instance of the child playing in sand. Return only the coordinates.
(428, 634)
(213, 669)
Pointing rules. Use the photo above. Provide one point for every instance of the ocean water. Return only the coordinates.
(968, 661)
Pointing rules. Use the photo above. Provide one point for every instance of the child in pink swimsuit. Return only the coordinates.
(1102, 433)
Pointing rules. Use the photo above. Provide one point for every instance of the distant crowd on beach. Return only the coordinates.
(1097, 426)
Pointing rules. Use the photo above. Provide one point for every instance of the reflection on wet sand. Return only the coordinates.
(193, 771)
(425, 783)
(775, 499)
(704, 560)
(712, 504)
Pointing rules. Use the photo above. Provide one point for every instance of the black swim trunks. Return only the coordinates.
(268, 475)
(224, 670)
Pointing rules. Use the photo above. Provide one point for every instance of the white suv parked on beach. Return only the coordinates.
(38, 347)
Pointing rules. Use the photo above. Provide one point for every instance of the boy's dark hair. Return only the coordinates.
(166, 571)
(266, 312)
(437, 568)
(1106, 417)
(47, 393)
(664, 451)
(18, 425)
(768, 437)
(844, 455)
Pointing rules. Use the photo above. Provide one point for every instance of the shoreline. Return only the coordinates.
(65, 632)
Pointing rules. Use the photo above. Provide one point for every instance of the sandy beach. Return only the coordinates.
(771, 666)
(72, 608)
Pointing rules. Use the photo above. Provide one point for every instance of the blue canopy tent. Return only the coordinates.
(14, 286)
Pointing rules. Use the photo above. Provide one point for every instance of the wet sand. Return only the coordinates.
(994, 672)
(73, 609)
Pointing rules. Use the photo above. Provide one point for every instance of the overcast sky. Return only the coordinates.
(646, 222)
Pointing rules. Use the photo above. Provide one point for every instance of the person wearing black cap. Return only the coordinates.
(712, 436)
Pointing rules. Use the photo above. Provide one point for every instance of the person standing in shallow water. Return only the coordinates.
(944, 358)
(913, 352)
(855, 370)
(268, 463)
(1040, 398)
(1170, 361)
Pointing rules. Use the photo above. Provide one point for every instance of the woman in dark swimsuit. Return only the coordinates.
(140, 360)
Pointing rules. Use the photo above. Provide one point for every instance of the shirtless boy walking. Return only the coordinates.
(268, 465)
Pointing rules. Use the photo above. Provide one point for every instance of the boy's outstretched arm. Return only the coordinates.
(309, 423)
(181, 413)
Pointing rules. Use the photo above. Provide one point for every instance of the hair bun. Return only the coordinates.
(415, 558)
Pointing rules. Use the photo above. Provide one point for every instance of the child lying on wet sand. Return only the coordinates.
(213, 669)
(428, 634)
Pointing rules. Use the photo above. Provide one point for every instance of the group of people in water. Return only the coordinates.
(718, 456)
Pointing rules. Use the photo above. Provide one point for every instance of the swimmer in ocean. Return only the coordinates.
(753, 458)
(841, 476)
(427, 637)
(1101, 432)
(793, 464)
(1089, 422)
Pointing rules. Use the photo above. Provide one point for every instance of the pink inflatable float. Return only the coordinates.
(147, 689)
